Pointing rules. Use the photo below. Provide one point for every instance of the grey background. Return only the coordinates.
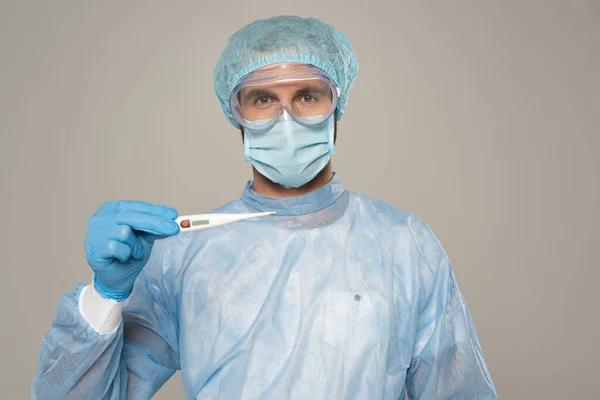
(480, 117)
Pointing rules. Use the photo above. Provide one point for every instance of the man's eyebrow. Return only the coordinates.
(313, 88)
(257, 92)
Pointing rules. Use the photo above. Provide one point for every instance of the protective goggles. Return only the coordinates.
(300, 91)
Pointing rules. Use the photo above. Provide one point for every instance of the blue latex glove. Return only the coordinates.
(119, 241)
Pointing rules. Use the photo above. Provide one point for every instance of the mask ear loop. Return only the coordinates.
(331, 130)
(247, 157)
(331, 122)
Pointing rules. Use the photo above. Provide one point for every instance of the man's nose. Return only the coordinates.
(285, 115)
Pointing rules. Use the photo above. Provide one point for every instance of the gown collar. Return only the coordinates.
(286, 206)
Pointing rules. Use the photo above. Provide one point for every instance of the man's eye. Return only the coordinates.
(308, 98)
(263, 100)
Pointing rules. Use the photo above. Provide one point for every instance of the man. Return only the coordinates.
(336, 296)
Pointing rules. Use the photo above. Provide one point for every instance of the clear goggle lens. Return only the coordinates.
(308, 96)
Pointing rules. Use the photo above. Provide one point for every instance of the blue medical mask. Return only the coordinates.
(290, 153)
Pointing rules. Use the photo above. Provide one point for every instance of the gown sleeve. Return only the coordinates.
(447, 361)
(83, 360)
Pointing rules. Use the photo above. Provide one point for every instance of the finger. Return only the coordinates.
(126, 235)
(147, 223)
(108, 249)
(147, 208)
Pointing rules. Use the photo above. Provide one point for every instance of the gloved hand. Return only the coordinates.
(119, 240)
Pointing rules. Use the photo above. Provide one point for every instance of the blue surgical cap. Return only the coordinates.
(285, 39)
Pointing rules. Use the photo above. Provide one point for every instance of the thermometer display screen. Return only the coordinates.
(200, 222)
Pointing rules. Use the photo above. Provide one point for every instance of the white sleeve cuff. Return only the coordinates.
(104, 315)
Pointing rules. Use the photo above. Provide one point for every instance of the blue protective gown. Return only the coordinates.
(338, 296)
